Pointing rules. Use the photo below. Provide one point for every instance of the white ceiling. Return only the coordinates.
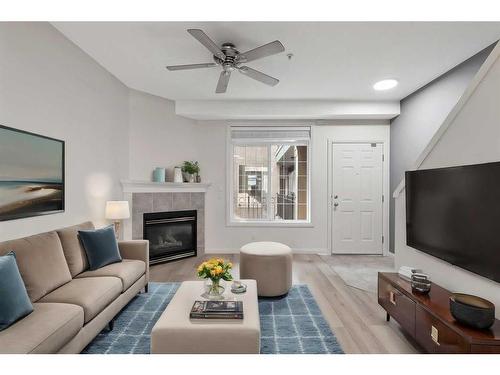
(332, 60)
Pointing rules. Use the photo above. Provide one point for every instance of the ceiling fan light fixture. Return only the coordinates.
(385, 84)
(230, 59)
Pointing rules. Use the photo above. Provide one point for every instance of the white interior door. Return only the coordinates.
(357, 198)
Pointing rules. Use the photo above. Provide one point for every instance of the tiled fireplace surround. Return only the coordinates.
(168, 201)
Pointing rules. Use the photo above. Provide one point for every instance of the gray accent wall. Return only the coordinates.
(422, 113)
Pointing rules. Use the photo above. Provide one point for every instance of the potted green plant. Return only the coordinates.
(190, 169)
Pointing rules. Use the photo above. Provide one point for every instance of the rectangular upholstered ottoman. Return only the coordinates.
(175, 333)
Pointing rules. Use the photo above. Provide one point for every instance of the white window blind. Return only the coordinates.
(270, 134)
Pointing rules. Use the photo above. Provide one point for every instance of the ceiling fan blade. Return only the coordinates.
(262, 51)
(204, 39)
(191, 66)
(223, 82)
(259, 76)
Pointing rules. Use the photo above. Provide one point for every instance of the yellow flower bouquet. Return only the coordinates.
(215, 269)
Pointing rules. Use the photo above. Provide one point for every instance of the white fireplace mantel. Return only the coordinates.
(164, 187)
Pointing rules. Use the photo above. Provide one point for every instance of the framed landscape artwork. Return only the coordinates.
(31, 174)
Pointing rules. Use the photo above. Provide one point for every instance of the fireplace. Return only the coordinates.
(171, 235)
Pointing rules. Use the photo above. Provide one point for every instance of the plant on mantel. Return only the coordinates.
(191, 169)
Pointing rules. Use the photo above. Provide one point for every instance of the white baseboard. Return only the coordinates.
(295, 251)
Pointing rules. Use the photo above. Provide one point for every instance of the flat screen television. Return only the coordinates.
(454, 214)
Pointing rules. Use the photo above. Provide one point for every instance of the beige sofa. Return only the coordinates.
(71, 304)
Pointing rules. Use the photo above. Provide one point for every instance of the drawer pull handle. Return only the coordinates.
(435, 335)
(392, 298)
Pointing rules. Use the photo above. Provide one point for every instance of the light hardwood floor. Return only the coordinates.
(353, 314)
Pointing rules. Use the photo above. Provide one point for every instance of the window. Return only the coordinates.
(270, 174)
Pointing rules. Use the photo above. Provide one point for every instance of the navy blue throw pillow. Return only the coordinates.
(14, 300)
(100, 246)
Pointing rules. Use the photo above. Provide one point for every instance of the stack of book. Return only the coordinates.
(217, 310)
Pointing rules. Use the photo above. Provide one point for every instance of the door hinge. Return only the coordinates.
(383, 198)
(383, 158)
(382, 239)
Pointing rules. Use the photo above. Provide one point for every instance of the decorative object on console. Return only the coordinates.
(159, 174)
(471, 310)
(405, 272)
(100, 246)
(31, 174)
(178, 175)
(117, 211)
(214, 270)
(190, 170)
(420, 283)
(14, 300)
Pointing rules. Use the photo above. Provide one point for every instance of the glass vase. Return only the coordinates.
(214, 289)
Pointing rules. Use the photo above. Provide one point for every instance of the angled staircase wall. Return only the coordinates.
(422, 113)
(470, 134)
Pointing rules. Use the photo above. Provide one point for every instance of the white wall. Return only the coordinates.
(472, 137)
(50, 86)
(158, 137)
(222, 238)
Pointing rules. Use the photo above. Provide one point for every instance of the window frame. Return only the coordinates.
(231, 220)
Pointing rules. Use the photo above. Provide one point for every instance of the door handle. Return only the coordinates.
(335, 204)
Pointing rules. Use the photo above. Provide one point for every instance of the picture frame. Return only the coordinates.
(32, 174)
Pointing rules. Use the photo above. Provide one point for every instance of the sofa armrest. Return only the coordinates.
(136, 249)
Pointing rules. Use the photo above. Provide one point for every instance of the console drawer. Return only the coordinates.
(400, 307)
(436, 337)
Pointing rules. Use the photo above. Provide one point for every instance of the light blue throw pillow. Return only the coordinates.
(14, 300)
(100, 246)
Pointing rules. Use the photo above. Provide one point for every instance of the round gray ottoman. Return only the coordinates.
(270, 264)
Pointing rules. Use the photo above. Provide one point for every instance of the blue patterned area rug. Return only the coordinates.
(292, 324)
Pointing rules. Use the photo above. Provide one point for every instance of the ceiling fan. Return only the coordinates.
(230, 59)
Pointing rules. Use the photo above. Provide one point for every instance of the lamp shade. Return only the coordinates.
(117, 210)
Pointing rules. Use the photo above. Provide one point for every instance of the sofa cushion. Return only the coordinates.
(14, 300)
(93, 294)
(100, 246)
(47, 329)
(41, 262)
(128, 271)
(73, 249)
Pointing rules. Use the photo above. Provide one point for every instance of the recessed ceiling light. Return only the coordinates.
(385, 84)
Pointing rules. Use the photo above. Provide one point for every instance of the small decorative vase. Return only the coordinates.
(188, 177)
(178, 175)
(214, 289)
(159, 174)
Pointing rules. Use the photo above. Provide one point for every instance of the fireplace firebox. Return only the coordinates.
(171, 235)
